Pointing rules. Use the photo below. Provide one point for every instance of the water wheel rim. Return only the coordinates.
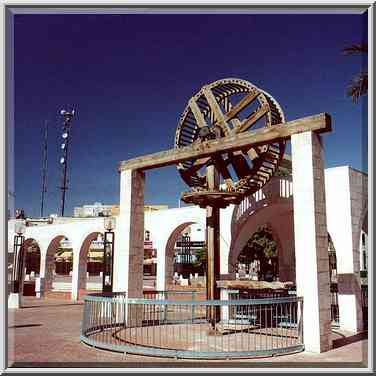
(211, 107)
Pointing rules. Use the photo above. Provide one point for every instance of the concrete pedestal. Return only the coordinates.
(311, 240)
(14, 300)
(39, 287)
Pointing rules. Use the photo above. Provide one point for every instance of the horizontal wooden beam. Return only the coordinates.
(316, 123)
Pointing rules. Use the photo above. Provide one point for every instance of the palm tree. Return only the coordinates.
(359, 84)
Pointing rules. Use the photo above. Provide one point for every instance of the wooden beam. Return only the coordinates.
(215, 107)
(213, 246)
(240, 106)
(316, 123)
(251, 119)
(199, 116)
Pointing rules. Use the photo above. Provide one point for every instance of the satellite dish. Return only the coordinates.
(63, 146)
(64, 135)
(62, 160)
(62, 112)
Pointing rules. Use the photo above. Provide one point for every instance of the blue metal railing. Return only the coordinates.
(185, 328)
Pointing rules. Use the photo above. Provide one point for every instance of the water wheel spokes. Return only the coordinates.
(220, 109)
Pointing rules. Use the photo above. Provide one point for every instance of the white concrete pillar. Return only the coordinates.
(344, 207)
(225, 237)
(78, 270)
(47, 267)
(169, 269)
(129, 235)
(78, 275)
(311, 240)
(39, 287)
(14, 300)
(161, 265)
(224, 309)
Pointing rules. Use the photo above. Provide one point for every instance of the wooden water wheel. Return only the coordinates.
(220, 109)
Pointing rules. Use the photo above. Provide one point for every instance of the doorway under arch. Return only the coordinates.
(170, 252)
(258, 260)
(279, 219)
(31, 262)
(90, 264)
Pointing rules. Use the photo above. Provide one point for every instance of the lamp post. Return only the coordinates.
(68, 116)
(14, 300)
(108, 253)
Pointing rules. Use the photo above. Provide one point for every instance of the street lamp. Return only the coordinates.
(18, 261)
(108, 253)
(68, 116)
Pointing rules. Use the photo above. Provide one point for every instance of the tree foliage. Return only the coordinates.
(262, 247)
(359, 84)
(201, 257)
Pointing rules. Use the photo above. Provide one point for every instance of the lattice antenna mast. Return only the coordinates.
(44, 170)
(68, 116)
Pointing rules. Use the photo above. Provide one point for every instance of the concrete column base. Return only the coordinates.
(14, 300)
(39, 287)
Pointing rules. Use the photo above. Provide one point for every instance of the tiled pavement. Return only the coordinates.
(45, 333)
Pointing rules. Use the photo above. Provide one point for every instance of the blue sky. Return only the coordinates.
(130, 77)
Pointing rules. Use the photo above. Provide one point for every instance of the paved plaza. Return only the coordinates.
(46, 332)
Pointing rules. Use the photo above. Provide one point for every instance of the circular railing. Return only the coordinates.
(216, 329)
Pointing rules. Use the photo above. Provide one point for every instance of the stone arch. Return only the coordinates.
(169, 253)
(82, 260)
(48, 264)
(234, 255)
(279, 189)
(24, 255)
(279, 218)
(164, 226)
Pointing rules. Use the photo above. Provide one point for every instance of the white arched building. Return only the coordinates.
(346, 212)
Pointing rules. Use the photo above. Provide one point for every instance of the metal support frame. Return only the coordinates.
(18, 261)
(108, 261)
(44, 174)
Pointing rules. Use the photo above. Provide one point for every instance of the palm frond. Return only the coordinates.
(358, 86)
(356, 49)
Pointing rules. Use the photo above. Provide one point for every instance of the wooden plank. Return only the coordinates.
(240, 105)
(316, 123)
(261, 111)
(216, 109)
(253, 153)
(213, 245)
(199, 116)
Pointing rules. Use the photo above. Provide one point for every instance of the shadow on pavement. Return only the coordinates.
(23, 326)
(47, 305)
(339, 342)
